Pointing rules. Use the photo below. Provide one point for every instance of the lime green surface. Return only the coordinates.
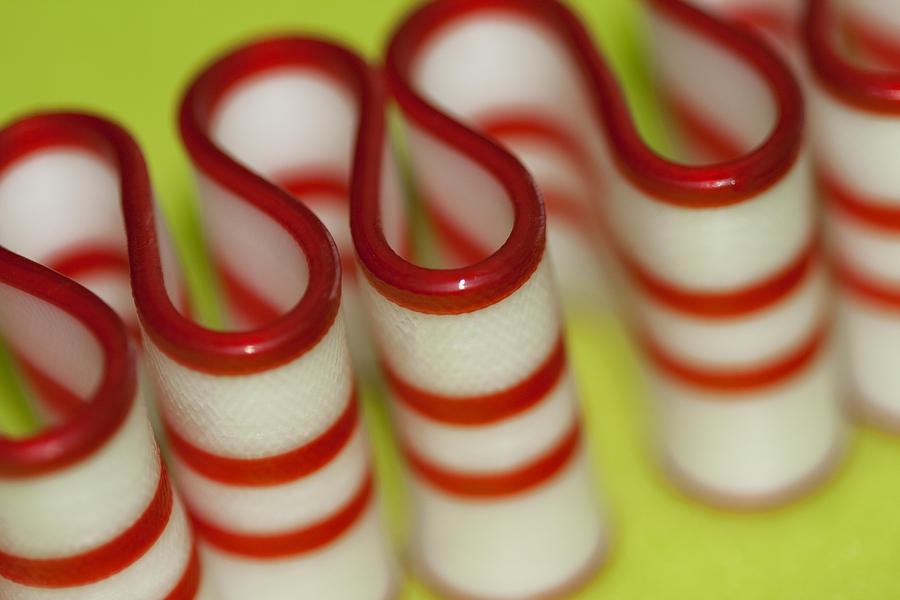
(130, 60)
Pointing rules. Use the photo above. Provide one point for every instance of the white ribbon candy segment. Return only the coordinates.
(87, 507)
(485, 409)
(734, 302)
(719, 251)
(270, 447)
(855, 122)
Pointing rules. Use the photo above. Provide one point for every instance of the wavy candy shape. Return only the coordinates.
(271, 453)
(316, 113)
(716, 254)
(720, 260)
(87, 507)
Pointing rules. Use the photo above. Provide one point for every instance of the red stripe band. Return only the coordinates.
(456, 238)
(53, 395)
(270, 470)
(187, 586)
(698, 128)
(507, 127)
(863, 287)
(877, 216)
(325, 184)
(497, 484)
(724, 304)
(245, 300)
(103, 561)
(576, 215)
(488, 408)
(738, 379)
(877, 43)
(90, 259)
(293, 542)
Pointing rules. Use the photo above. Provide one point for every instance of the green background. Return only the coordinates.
(130, 61)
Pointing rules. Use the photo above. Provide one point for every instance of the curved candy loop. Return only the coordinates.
(754, 330)
(717, 250)
(87, 507)
(509, 111)
(310, 117)
(855, 103)
(271, 454)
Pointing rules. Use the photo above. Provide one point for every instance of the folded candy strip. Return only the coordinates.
(720, 259)
(310, 116)
(854, 97)
(746, 321)
(269, 446)
(88, 508)
(484, 404)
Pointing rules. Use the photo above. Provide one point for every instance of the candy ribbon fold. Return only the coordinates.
(87, 504)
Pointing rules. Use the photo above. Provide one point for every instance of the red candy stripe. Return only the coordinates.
(91, 259)
(270, 470)
(725, 304)
(494, 485)
(739, 379)
(103, 561)
(866, 211)
(879, 293)
(187, 586)
(487, 408)
(290, 543)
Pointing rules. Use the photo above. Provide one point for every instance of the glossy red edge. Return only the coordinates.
(687, 186)
(103, 561)
(493, 485)
(88, 428)
(438, 291)
(88, 260)
(294, 332)
(487, 408)
(295, 542)
(867, 89)
(270, 470)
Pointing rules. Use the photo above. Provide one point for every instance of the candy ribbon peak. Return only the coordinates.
(87, 502)
(270, 450)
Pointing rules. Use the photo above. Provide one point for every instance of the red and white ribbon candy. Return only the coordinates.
(271, 450)
(728, 293)
(731, 289)
(855, 117)
(485, 408)
(87, 510)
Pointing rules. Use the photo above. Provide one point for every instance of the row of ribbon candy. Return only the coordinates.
(729, 256)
